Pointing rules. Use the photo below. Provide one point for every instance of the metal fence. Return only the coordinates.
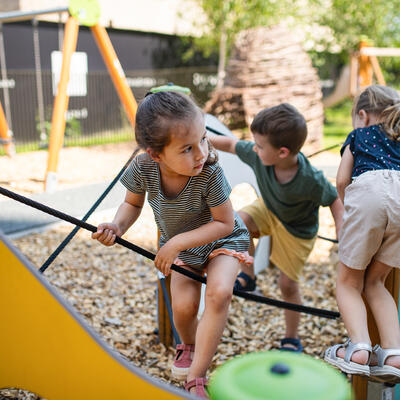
(95, 117)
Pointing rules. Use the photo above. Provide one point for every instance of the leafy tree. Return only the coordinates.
(225, 18)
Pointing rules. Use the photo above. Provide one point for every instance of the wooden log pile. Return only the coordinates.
(268, 66)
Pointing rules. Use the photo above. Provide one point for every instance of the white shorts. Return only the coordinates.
(371, 220)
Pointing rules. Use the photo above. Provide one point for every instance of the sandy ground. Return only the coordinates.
(114, 289)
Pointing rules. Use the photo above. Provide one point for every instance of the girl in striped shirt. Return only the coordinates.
(189, 195)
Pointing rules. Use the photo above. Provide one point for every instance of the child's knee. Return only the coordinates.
(185, 309)
(288, 286)
(218, 297)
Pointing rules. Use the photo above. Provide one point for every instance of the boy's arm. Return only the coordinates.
(223, 143)
(343, 177)
(337, 210)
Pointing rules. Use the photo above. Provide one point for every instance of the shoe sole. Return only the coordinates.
(180, 374)
(383, 375)
(349, 368)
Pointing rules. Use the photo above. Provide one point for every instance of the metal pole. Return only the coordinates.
(39, 84)
(13, 16)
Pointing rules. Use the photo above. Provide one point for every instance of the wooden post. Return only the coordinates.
(164, 324)
(6, 134)
(365, 69)
(61, 104)
(359, 383)
(117, 74)
(165, 334)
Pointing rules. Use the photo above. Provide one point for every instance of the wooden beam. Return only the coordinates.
(377, 70)
(380, 51)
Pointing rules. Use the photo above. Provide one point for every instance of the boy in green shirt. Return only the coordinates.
(292, 191)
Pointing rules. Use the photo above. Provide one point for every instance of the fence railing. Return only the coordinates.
(95, 117)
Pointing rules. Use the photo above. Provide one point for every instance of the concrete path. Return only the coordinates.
(17, 219)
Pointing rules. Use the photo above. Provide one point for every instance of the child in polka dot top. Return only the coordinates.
(368, 182)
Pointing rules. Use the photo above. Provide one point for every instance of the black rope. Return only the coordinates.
(260, 299)
(328, 239)
(169, 309)
(325, 149)
(70, 236)
(215, 131)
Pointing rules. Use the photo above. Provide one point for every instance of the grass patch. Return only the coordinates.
(337, 124)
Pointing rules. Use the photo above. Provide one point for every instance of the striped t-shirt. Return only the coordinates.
(189, 210)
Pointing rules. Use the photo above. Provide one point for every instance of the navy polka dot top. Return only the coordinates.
(372, 150)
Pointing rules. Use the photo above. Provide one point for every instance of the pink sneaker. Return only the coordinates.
(183, 361)
(200, 385)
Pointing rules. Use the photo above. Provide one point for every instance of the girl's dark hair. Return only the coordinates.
(159, 114)
(384, 102)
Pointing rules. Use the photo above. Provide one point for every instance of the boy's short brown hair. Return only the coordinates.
(284, 126)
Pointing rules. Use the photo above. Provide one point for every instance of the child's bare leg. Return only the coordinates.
(383, 308)
(290, 293)
(185, 293)
(254, 234)
(349, 286)
(221, 274)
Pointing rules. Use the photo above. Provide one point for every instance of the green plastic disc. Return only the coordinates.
(170, 87)
(278, 375)
(87, 12)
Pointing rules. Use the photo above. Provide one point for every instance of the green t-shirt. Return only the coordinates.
(295, 203)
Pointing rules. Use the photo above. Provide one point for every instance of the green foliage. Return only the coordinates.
(232, 16)
(337, 124)
(73, 127)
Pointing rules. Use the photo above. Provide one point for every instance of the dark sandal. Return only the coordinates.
(293, 341)
(250, 283)
(200, 384)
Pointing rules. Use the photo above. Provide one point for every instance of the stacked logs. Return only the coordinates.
(268, 66)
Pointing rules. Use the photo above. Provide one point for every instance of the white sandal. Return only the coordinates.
(381, 371)
(345, 364)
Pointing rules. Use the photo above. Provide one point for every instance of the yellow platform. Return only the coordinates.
(47, 348)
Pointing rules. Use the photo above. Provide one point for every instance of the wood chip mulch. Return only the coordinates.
(114, 290)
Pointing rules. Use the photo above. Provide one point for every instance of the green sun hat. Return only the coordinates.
(278, 375)
(170, 87)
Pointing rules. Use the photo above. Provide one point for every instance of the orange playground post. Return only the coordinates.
(61, 104)
(117, 74)
(6, 134)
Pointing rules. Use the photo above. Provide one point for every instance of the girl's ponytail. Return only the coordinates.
(391, 121)
(383, 102)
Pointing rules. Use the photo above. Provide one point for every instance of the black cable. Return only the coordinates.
(169, 309)
(70, 236)
(260, 299)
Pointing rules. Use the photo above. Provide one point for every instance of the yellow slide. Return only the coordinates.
(46, 347)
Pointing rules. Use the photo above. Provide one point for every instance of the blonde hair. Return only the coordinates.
(383, 102)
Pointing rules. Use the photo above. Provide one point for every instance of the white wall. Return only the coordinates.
(162, 16)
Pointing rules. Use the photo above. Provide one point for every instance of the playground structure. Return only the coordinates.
(363, 67)
(80, 12)
(90, 356)
(47, 348)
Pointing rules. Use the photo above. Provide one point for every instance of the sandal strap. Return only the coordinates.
(185, 347)
(383, 354)
(353, 347)
(196, 382)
